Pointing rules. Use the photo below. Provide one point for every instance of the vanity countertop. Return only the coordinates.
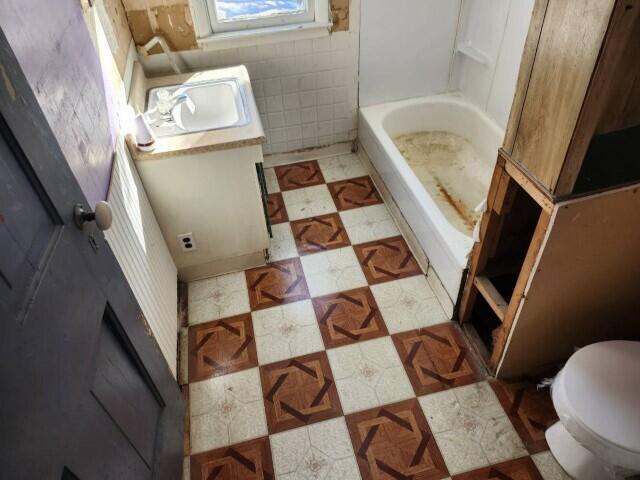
(199, 142)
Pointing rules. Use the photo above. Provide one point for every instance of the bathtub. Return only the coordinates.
(447, 246)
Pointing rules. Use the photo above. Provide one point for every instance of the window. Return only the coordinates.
(229, 15)
(220, 18)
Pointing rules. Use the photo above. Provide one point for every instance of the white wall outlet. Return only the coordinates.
(187, 242)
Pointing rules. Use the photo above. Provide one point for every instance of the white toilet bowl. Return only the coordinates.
(597, 397)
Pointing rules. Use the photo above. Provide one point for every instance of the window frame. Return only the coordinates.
(233, 25)
(316, 25)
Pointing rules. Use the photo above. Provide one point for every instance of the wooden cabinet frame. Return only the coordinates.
(572, 282)
(556, 263)
(507, 177)
(579, 77)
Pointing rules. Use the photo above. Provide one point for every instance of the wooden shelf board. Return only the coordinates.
(491, 295)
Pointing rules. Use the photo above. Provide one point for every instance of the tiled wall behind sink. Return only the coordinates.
(307, 91)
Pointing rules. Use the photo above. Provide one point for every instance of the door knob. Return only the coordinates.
(102, 215)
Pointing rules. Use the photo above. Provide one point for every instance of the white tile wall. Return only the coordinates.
(499, 30)
(306, 91)
(405, 48)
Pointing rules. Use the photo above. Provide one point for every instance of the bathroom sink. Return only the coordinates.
(212, 105)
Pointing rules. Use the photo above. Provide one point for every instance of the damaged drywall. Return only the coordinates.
(340, 14)
(172, 19)
(169, 18)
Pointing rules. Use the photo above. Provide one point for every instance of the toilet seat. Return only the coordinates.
(597, 397)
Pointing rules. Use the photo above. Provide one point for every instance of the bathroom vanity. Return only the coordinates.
(203, 178)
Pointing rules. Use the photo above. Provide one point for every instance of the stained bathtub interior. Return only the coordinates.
(451, 171)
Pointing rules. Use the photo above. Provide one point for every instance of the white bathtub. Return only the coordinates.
(446, 247)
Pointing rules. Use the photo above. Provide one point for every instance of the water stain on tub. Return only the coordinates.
(468, 219)
(450, 169)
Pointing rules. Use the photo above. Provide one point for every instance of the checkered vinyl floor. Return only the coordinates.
(336, 360)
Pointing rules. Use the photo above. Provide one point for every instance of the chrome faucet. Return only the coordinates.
(167, 102)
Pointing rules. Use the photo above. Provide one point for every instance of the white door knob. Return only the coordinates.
(102, 215)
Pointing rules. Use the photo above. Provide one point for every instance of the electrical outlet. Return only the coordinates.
(187, 242)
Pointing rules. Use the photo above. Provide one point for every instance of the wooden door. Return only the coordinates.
(85, 391)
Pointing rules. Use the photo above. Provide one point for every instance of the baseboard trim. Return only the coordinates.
(278, 159)
(222, 266)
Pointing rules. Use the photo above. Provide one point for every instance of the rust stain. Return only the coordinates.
(469, 221)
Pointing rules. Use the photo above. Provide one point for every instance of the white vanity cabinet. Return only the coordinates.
(215, 198)
(202, 176)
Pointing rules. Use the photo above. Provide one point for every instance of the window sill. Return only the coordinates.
(262, 36)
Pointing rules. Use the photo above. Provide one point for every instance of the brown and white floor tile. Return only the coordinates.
(221, 347)
(408, 304)
(354, 193)
(386, 260)
(276, 209)
(332, 271)
(299, 175)
(471, 428)
(245, 461)
(437, 358)
(341, 167)
(349, 317)
(286, 331)
(217, 297)
(394, 441)
(369, 374)
(282, 245)
(276, 283)
(549, 467)
(308, 202)
(320, 451)
(272, 180)
(369, 223)
(299, 391)
(319, 234)
(531, 411)
(226, 410)
(518, 469)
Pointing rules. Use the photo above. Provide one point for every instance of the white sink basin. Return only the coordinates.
(216, 104)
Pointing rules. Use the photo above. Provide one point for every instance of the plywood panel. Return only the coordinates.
(570, 41)
(585, 285)
(524, 75)
(623, 108)
(613, 99)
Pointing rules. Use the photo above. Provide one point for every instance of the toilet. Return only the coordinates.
(597, 397)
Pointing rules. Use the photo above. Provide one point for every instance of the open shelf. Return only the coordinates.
(485, 323)
(511, 232)
(515, 231)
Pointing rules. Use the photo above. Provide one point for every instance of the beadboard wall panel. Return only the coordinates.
(138, 244)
